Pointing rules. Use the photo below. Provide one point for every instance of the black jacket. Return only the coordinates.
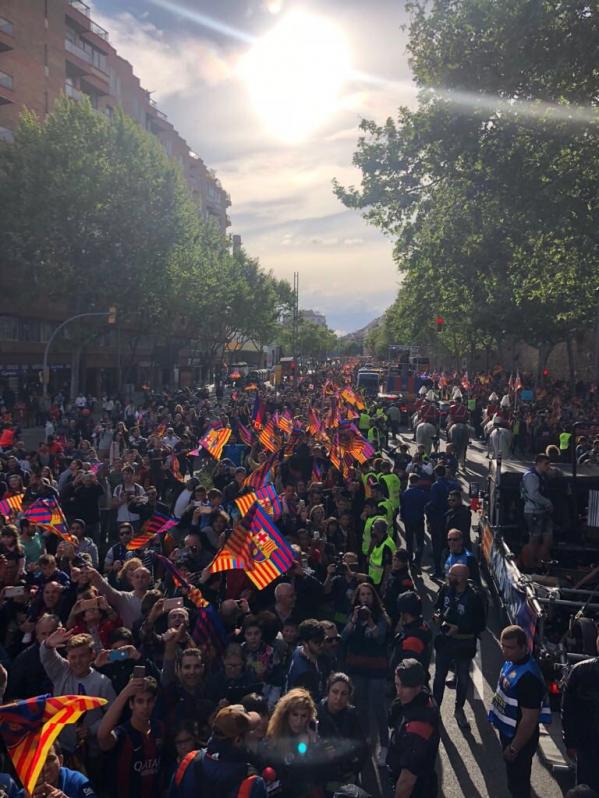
(580, 707)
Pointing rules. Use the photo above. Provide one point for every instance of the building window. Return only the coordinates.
(9, 328)
(30, 330)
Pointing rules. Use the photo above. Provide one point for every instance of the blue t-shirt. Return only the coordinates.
(72, 783)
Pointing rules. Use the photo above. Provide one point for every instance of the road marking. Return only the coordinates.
(478, 679)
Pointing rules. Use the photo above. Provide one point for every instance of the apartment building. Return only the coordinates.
(53, 47)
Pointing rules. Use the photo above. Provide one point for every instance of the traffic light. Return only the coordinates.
(440, 323)
(112, 314)
(545, 372)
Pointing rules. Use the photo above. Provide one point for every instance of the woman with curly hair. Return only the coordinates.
(292, 748)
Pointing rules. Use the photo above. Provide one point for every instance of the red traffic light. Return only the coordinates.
(545, 372)
(439, 321)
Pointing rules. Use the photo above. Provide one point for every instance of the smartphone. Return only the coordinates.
(139, 672)
(172, 603)
(316, 535)
(14, 592)
(89, 604)
(117, 654)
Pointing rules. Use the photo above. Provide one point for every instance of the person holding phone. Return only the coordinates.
(92, 614)
(136, 746)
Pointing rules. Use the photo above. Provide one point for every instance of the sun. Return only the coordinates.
(295, 74)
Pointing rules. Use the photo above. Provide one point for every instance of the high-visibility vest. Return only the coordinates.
(564, 441)
(393, 484)
(364, 422)
(389, 509)
(375, 561)
(367, 533)
(504, 707)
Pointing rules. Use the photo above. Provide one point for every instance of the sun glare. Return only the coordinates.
(295, 73)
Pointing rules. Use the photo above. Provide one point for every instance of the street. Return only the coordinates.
(470, 763)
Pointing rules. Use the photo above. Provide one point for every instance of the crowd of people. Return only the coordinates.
(297, 689)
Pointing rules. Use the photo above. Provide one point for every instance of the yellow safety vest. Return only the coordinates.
(393, 484)
(364, 422)
(367, 490)
(564, 440)
(376, 569)
(367, 533)
(389, 509)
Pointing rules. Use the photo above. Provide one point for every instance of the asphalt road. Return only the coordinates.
(470, 763)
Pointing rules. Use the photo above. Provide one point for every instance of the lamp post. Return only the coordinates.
(111, 313)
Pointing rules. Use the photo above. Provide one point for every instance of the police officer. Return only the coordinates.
(461, 612)
(414, 640)
(520, 703)
(580, 719)
(414, 724)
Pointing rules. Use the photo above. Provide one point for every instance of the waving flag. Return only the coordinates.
(267, 436)
(271, 554)
(285, 423)
(314, 422)
(266, 496)
(352, 398)
(262, 475)
(156, 525)
(317, 471)
(12, 504)
(30, 727)
(176, 468)
(234, 554)
(518, 382)
(39, 512)
(193, 593)
(332, 420)
(262, 552)
(245, 434)
(214, 441)
(58, 523)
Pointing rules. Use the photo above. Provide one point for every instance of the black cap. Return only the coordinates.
(409, 602)
(410, 673)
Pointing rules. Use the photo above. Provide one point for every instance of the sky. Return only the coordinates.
(220, 73)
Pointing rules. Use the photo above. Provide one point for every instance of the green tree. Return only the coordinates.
(492, 201)
(313, 340)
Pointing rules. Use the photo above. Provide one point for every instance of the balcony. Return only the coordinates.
(86, 59)
(7, 35)
(7, 86)
(158, 113)
(80, 6)
(74, 49)
(72, 92)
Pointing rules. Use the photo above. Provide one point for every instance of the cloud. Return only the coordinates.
(353, 242)
(166, 63)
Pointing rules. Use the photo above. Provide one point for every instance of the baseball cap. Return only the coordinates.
(410, 673)
(233, 721)
(409, 602)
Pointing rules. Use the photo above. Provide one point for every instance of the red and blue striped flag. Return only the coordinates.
(245, 434)
(39, 512)
(30, 727)
(12, 504)
(271, 554)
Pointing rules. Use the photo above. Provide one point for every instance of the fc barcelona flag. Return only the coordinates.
(12, 504)
(30, 727)
(39, 512)
(271, 554)
(258, 412)
(214, 441)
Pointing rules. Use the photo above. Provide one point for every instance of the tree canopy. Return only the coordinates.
(489, 186)
(94, 213)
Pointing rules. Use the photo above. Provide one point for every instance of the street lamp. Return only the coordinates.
(111, 313)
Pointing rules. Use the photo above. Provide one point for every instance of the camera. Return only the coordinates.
(363, 613)
(339, 567)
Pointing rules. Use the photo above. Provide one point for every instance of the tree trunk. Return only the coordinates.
(545, 350)
(570, 346)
